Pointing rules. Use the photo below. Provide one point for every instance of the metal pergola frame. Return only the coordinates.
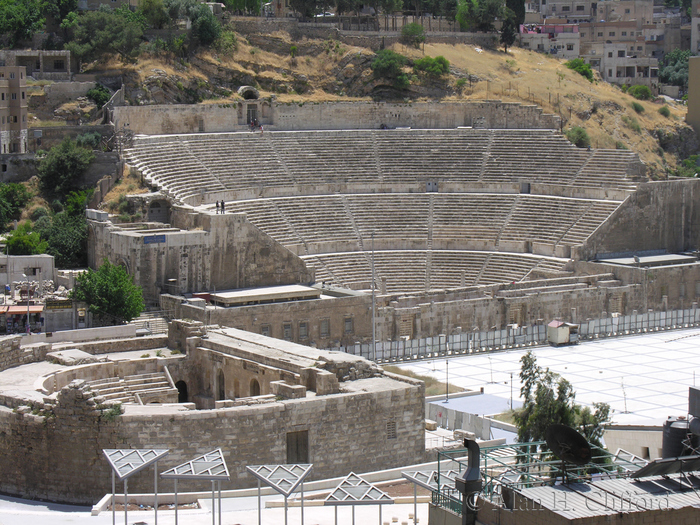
(284, 479)
(127, 462)
(354, 490)
(207, 467)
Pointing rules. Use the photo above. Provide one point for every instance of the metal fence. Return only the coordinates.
(521, 336)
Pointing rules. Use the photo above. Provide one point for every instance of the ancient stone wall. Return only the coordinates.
(659, 215)
(171, 119)
(346, 432)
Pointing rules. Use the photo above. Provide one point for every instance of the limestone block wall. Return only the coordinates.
(220, 252)
(659, 215)
(347, 432)
(197, 118)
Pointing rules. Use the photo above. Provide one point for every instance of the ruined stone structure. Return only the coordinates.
(471, 228)
(249, 395)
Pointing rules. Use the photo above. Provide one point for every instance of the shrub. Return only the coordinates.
(99, 95)
(624, 88)
(578, 136)
(293, 51)
(665, 111)
(389, 64)
(632, 123)
(637, 107)
(461, 83)
(580, 66)
(640, 92)
(620, 145)
(412, 35)
(433, 67)
(38, 213)
(227, 42)
(89, 140)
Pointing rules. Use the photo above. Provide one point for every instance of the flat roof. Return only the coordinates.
(652, 260)
(644, 378)
(270, 293)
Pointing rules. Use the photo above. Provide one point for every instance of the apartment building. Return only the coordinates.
(13, 109)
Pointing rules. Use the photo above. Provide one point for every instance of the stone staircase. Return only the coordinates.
(136, 389)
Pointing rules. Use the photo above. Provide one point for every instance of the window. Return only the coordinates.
(24, 118)
(600, 33)
(325, 328)
(287, 331)
(14, 96)
(15, 119)
(391, 429)
(609, 72)
(12, 75)
(298, 447)
(609, 54)
(303, 330)
(565, 8)
(58, 64)
(627, 11)
(3, 96)
(569, 47)
(22, 95)
(621, 53)
(37, 65)
(611, 33)
(580, 8)
(583, 35)
(348, 325)
(265, 330)
(4, 169)
(624, 33)
(639, 48)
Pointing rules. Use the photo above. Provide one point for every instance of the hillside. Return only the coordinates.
(331, 70)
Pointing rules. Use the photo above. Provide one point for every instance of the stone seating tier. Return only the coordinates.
(337, 223)
(243, 165)
(406, 271)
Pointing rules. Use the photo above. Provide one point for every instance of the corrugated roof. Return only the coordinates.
(611, 496)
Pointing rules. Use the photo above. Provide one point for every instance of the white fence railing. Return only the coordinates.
(522, 336)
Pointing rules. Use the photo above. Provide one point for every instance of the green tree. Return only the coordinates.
(509, 30)
(60, 170)
(109, 293)
(13, 198)
(154, 11)
(179, 9)
(518, 9)
(478, 15)
(57, 10)
(640, 92)
(412, 35)
(205, 25)
(19, 19)
(97, 33)
(307, 8)
(549, 399)
(433, 67)
(24, 241)
(389, 65)
(581, 67)
(675, 68)
(578, 136)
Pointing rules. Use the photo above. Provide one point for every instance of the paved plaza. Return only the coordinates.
(644, 378)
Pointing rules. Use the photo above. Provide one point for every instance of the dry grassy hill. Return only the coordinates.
(331, 70)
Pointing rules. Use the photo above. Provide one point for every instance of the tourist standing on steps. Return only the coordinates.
(217, 207)
(222, 206)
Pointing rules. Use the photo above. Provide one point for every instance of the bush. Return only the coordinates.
(293, 51)
(640, 92)
(637, 107)
(578, 136)
(632, 123)
(389, 64)
(412, 35)
(99, 95)
(433, 67)
(580, 66)
(89, 140)
(38, 213)
(665, 111)
(60, 171)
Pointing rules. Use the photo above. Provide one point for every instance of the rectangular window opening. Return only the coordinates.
(298, 447)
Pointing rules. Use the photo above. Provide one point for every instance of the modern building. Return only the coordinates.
(562, 40)
(40, 64)
(13, 109)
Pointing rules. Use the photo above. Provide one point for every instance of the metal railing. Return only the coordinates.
(521, 337)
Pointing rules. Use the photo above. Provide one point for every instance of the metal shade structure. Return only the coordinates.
(667, 466)
(207, 467)
(354, 490)
(127, 462)
(284, 479)
(432, 480)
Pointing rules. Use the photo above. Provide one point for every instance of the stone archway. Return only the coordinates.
(158, 211)
(248, 93)
(181, 392)
(220, 385)
(254, 388)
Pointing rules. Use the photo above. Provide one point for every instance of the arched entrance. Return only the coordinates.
(221, 385)
(181, 392)
(158, 211)
(254, 387)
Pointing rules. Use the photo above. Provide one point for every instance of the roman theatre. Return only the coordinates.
(471, 216)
